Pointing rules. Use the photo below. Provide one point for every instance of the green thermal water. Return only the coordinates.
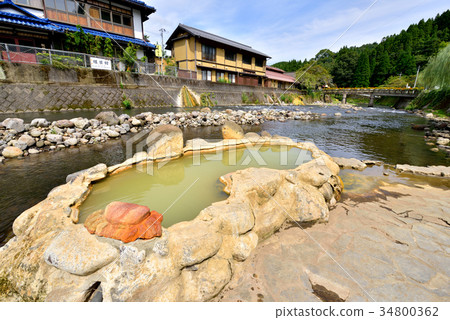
(181, 188)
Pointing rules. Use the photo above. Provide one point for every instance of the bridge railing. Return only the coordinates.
(414, 90)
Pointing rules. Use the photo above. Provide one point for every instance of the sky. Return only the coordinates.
(292, 29)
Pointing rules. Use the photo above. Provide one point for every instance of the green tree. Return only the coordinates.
(325, 58)
(129, 56)
(382, 70)
(344, 67)
(437, 72)
(406, 63)
(362, 73)
(313, 75)
(107, 48)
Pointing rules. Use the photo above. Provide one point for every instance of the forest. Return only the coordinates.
(376, 64)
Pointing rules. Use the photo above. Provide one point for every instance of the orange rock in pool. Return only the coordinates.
(125, 221)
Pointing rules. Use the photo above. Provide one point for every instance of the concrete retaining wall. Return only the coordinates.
(37, 88)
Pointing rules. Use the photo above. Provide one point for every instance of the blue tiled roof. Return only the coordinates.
(141, 3)
(27, 21)
(140, 42)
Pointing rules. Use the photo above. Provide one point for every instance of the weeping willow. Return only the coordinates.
(437, 72)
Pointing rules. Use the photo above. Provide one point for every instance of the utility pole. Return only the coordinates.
(417, 75)
(162, 30)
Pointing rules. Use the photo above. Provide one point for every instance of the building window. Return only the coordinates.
(117, 18)
(30, 3)
(126, 21)
(247, 59)
(229, 55)
(60, 5)
(94, 13)
(259, 62)
(208, 53)
(232, 78)
(106, 15)
(206, 75)
(259, 81)
(220, 75)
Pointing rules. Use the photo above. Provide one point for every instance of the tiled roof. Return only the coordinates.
(275, 69)
(206, 35)
(142, 4)
(273, 75)
(27, 21)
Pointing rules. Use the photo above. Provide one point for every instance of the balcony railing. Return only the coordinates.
(66, 60)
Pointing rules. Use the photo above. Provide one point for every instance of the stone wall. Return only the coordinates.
(37, 88)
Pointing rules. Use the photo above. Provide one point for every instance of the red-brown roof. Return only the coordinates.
(273, 75)
(275, 69)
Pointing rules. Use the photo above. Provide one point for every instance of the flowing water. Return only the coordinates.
(181, 188)
(374, 133)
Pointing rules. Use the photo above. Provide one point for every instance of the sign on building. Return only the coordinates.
(98, 63)
(158, 51)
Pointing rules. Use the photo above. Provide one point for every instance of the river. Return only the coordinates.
(374, 134)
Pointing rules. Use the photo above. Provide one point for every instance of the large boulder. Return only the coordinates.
(14, 124)
(12, 152)
(164, 142)
(95, 173)
(26, 139)
(108, 117)
(231, 130)
(77, 252)
(80, 123)
(125, 221)
(39, 122)
(350, 163)
(64, 124)
(54, 138)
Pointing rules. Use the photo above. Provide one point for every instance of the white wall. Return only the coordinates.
(139, 53)
(137, 22)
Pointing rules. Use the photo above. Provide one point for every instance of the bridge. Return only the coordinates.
(405, 93)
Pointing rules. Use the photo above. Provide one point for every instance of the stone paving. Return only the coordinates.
(392, 245)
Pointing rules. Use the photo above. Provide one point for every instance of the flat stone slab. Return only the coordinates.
(350, 163)
(368, 251)
(77, 252)
(441, 171)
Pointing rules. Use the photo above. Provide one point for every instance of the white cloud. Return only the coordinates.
(291, 29)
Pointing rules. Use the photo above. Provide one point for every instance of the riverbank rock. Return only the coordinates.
(27, 140)
(442, 141)
(64, 124)
(39, 122)
(77, 252)
(14, 124)
(108, 117)
(440, 171)
(54, 138)
(350, 163)
(125, 222)
(95, 173)
(231, 130)
(165, 141)
(12, 152)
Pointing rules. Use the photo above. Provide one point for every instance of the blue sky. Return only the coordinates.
(291, 29)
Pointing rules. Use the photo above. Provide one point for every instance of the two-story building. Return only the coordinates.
(42, 23)
(204, 56)
(277, 78)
